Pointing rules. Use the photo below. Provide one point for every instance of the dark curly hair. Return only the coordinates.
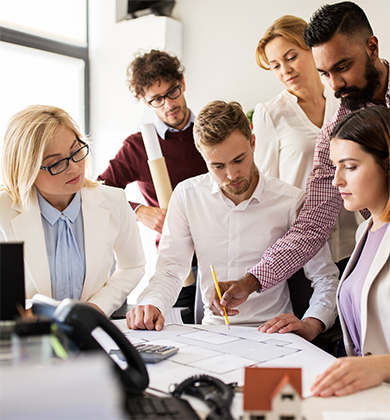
(146, 68)
(346, 18)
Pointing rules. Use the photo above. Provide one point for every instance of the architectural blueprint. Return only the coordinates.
(223, 353)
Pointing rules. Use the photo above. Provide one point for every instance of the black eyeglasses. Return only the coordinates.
(159, 101)
(63, 164)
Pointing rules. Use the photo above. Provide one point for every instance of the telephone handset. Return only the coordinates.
(78, 320)
(214, 392)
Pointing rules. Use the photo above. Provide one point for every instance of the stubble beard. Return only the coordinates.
(242, 188)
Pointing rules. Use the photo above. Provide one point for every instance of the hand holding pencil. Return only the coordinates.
(219, 295)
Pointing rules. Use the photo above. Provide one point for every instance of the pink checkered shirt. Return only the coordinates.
(317, 218)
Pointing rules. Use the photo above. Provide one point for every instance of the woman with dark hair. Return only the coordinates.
(359, 149)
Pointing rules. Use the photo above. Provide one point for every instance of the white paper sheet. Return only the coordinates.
(223, 353)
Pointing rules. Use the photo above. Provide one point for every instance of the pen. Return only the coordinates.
(219, 294)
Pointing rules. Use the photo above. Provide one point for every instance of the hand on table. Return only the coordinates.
(145, 317)
(152, 217)
(308, 328)
(351, 374)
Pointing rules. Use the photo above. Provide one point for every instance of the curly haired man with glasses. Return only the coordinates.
(157, 79)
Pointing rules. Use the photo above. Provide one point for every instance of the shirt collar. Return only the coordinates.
(289, 95)
(162, 128)
(51, 214)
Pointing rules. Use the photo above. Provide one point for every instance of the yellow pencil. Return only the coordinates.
(219, 294)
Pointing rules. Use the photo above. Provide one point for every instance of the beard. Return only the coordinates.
(358, 98)
(244, 187)
(179, 120)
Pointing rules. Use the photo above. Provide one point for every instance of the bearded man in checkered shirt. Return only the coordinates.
(346, 54)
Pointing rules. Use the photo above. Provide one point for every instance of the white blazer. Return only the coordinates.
(109, 227)
(375, 299)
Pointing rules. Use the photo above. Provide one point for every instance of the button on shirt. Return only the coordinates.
(232, 238)
(50, 217)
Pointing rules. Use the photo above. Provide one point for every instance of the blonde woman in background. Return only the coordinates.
(71, 226)
(287, 126)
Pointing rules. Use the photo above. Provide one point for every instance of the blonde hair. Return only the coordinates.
(289, 27)
(27, 135)
(217, 120)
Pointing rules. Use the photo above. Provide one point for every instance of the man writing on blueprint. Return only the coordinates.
(229, 217)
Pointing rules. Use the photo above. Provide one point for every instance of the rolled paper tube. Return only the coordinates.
(162, 185)
(152, 145)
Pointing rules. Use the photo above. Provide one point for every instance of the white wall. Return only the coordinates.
(115, 114)
(220, 39)
(216, 42)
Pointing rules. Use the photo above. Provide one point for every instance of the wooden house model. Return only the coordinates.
(272, 394)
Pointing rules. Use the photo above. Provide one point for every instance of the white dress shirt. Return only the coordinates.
(285, 142)
(233, 238)
(285, 137)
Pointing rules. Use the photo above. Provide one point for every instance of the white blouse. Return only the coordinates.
(285, 137)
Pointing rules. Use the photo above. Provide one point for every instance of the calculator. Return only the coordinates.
(154, 353)
(150, 353)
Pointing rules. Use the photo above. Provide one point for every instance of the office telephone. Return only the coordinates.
(214, 392)
(78, 321)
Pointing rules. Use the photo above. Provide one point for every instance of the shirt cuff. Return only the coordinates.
(326, 315)
(136, 208)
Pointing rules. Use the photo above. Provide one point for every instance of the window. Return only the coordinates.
(44, 56)
(257, 417)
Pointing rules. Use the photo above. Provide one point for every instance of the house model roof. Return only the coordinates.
(263, 384)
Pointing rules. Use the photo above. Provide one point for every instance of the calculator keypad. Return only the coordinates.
(152, 353)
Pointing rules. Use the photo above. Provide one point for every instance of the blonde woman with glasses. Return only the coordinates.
(71, 226)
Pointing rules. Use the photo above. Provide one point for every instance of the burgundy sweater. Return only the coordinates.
(130, 164)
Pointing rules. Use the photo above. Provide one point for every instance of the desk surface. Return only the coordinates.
(216, 351)
(375, 399)
(55, 389)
